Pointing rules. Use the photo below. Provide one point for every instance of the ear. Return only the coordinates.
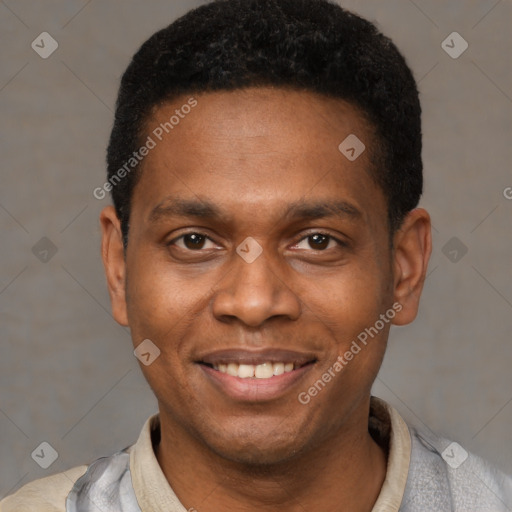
(412, 246)
(112, 253)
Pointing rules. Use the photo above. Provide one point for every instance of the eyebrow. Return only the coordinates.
(298, 210)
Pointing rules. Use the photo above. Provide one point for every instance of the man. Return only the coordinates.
(265, 167)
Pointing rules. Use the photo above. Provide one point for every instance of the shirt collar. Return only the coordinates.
(386, 426)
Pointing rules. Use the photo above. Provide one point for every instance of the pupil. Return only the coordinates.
(320, 241)
(194, 241)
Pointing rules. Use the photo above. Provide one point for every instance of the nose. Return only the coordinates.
(253, 293)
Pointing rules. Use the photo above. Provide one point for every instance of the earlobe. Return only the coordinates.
(112, 253)
(411, 253)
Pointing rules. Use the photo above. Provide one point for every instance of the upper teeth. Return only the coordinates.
(260, 371)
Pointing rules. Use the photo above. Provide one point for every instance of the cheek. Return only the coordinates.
(348, 308)
(350, 299)
(159, 301)
(350, 316)
(161, 308)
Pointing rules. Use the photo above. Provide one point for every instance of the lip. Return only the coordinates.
(256, 357)
(252, 389)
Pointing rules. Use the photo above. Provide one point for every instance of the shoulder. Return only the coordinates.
(51, 494)
(44, 495)
(444, 475)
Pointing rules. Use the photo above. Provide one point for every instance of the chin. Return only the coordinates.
(253, 449)
(256, 457)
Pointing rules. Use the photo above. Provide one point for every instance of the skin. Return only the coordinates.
(252, 153)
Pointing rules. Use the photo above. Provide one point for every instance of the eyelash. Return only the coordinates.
(330, 237)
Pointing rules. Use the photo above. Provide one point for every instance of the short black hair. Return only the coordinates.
(311, 45)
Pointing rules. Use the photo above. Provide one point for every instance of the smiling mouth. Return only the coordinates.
(246, 376)
(265, 370)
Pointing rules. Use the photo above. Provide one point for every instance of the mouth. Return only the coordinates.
(255, 376)
(265, 370)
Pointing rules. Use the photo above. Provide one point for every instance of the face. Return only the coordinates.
(258, 253)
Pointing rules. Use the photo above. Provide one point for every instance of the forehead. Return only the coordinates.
(258, 146)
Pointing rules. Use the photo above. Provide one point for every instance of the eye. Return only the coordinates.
(318, 242)
(193, 242)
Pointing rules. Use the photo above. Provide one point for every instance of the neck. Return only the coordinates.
(348, 468)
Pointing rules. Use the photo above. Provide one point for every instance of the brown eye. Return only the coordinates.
(194, 241)
(318, 241)
(191, 241)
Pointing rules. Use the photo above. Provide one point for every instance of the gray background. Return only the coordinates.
(67, 372)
